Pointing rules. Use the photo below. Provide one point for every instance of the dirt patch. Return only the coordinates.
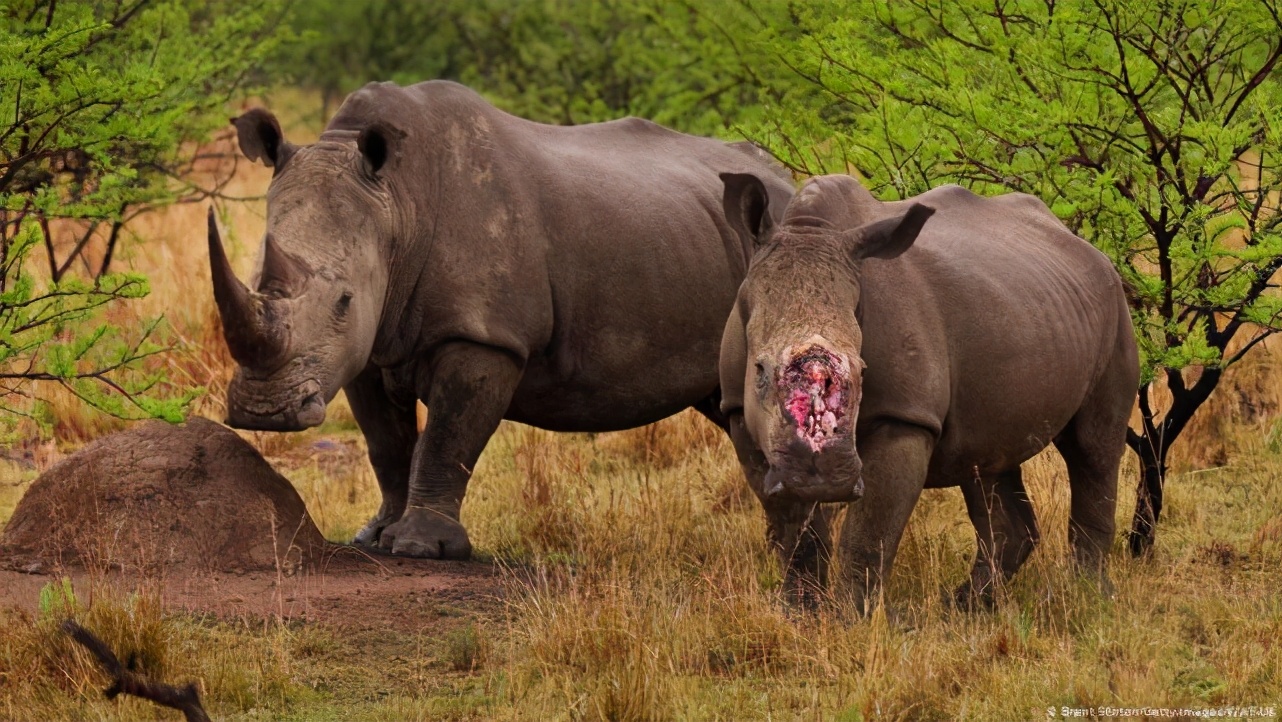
(195, 514)
(193, 496)
(344, 589)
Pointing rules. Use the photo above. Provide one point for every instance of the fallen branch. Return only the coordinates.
(127, 681)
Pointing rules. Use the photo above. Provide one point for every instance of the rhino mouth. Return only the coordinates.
(809, 484)
(260, 406)
(815, 387)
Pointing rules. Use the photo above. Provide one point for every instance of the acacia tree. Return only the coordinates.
(1152, 128)
(555, 61)
(99, 103)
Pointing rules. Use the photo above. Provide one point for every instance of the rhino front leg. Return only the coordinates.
(390, 432)
(896, 458)
(797, 531)
(468, 394)
(800, 535)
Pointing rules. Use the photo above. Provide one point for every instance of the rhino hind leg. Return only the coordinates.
(1005, 534)
(1092, 452)
(1092, 446)
(710, 407)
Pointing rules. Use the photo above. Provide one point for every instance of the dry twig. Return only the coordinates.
(128, 681)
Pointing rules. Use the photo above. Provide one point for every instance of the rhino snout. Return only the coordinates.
(312, 411)
(794, 484)
(262, 406)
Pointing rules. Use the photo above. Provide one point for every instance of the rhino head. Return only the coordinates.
(306, 326)
(803, 380)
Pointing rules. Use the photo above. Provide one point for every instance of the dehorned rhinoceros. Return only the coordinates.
(877, 348)
(431, 247)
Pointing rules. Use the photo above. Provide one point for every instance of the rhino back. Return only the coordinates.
(643, 268)
(598, 254)
(991, 329)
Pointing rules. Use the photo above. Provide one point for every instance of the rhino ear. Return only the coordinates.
(747, 206)
(888, 237)
(261, 139)
(377, 144)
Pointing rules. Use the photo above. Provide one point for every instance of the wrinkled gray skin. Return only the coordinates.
(985, 331)
(431, 247)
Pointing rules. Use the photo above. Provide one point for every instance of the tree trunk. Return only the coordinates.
(1153, 445)
(1148, 497)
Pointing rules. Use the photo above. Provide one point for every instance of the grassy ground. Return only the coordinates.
(644, 591)
(640, 586)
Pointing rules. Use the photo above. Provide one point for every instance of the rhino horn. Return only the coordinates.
(248, 338)
(282, 273)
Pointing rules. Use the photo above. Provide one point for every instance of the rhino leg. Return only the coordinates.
(468, 393)
(710, 407)
(390, 432)
(1005, 533)
(801, 536)
(798, 532)
(896, 459)
(1092, 447)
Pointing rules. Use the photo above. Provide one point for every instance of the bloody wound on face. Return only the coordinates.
(815, 389)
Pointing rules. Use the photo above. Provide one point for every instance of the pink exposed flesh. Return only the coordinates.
(815, 391)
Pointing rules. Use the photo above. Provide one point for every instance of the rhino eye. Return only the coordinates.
(344, 302)
(763, 379)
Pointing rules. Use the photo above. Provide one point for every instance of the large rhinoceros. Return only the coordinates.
(431, 247)
(954, 337)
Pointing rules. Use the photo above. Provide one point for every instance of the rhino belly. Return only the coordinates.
(597, 404)
(994, 427)
(604, 384)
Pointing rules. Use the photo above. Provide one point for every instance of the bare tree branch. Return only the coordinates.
(126, 680)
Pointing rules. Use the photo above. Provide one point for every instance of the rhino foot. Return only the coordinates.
(805, 593)
(387, 515)
(369, 534)
(427, 534)
(970, 597)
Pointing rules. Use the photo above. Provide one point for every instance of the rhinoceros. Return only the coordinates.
(431, 247)
(877, 348)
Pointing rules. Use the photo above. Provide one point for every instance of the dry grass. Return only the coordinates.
(647, 599)
(329, 467)
(640, 586)
(637, 593)
(44, 675)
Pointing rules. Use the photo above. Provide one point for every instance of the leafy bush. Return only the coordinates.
(555, 61)
(102, 105)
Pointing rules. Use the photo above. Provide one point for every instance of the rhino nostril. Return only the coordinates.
(311, 412)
